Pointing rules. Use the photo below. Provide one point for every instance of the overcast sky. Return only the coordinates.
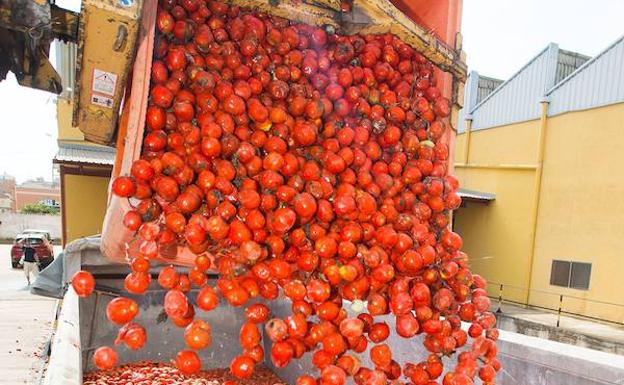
(500, 36)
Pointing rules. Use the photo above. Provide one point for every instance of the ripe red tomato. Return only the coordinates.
(197, 335)
(188, 362)
(207, 298)
(351, 327)
(379, 332)
(168, 278)
(381, 355)
(124, 186)
(83, 283)
(283, 220)
(176, 304)
(105, 358)
(257, 313)
(122, 310)
(242, 366)
(137, 282)
(281, 353)
(133, 335)
(333, 375)
(249, 335)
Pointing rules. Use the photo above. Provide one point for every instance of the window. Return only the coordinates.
(570, 274)
(560, 273)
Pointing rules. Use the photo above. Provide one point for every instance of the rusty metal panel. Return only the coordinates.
(332, 4)
(598, 82)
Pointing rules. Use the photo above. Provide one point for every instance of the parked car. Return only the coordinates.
(43, 249)
(46, 233)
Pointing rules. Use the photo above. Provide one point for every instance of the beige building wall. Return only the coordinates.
(85, 205)
(581, 212)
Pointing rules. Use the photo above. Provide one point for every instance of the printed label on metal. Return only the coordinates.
(102, 101)
(104, 82)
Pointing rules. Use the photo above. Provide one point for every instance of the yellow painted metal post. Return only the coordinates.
(541, 145)
(468, 126)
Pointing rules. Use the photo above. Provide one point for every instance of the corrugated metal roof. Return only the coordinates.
(473, 195)
(517, 99)
(477, 88)
(470, 99)
(76, 153)
(568, 62)
(487, 86)
(598, 82)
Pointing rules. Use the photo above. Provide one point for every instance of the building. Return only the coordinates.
(85, 168)
(546, 145)
(6, 203)
(7, 191)
(37, 191)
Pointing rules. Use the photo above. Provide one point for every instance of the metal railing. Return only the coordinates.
(561, 300)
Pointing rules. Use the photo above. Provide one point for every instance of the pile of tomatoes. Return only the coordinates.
(148, 373)
(297, 161)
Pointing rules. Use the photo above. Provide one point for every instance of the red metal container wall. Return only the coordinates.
(442, 17)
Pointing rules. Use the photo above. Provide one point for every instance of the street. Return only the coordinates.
(25, 325)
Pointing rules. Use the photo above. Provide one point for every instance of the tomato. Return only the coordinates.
(249, 335)
(276, 329)
(257, 313)
(133, 335)
(121, 310)
(168, 278)
(381, 355)
(188, 362)
(333, 375)
(197, 335)
(351, 327)
(281, 353)
(124, 186)
(334, 344)
(83, 283)
(132, 220)
(137, 282)
(242, 366)
(283, 219)
(305, 379)
(105, 358)
(379, 332)
(176, 304)
(161, 96)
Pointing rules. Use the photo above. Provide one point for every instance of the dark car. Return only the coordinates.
(43, 249)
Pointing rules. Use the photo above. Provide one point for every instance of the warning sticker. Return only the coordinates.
(102, 101)
(104, 82)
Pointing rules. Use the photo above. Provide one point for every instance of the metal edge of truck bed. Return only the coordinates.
(64, 366)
